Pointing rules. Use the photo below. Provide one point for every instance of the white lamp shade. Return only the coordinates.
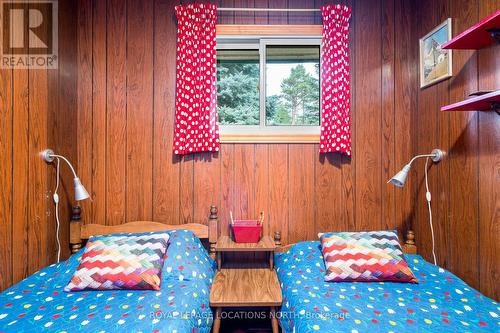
(80, 191)
(399, 179)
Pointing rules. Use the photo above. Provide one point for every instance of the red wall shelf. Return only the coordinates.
(486, 102)
(477, 36)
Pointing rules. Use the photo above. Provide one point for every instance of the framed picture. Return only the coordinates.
(435, 62)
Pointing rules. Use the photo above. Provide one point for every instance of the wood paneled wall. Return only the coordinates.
(110, 106)
(37, 111)
(466, 185)
(126, 92)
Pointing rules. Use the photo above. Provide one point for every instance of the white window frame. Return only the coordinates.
(262, 132)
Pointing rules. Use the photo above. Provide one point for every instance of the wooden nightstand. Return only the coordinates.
(226, 244)
(245, 287)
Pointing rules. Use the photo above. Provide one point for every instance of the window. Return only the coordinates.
(268, 89)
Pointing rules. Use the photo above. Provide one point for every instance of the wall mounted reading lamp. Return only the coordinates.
(399, 180)
(80, 192)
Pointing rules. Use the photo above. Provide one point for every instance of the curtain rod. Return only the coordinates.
(268, 9)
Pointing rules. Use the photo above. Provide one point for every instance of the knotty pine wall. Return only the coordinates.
(466, 185)
(37, 111)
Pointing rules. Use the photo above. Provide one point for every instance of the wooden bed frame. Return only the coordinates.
(408, 245)
(79, 232)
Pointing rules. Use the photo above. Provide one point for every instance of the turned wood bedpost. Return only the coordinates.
(75, 239)
(409, 247)
(212, 229)
(277, 238)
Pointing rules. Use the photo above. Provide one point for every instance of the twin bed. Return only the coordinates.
(439, 302)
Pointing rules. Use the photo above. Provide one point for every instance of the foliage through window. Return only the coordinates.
(282, 98)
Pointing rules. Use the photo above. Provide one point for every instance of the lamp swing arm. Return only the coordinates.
(67, 162)
(436, 155)
(420, 156)
(399, 179)
(80, 192)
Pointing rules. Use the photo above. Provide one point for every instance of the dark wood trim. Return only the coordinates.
(81, 232)
(408, 246)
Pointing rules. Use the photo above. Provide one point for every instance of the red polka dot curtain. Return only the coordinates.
(196, 126)
(335, 86)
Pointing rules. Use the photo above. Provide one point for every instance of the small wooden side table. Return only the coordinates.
(226, 244)
(245, 287)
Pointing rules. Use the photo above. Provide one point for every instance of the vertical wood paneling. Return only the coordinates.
(464, 185)
(278, 17)
(262, 17)
(262, 188)
(20, 164)
(368, 116)
(405, 78)
(99, 111)
(426, 122)
(300, 191)
(38, 195)
(329, 195)
(489, 168)
(31, 102)
(117, 112)
(278, 186)
(388, 116)
(244, 185)
(440, 172)
(301, 183)
(186, 190)
(227, 187)
(139, 125)
(20, 171)
(207, 185)
(348, 162)
(165, 165)
(85, 101)
(298, 17)
(489, 204)
(62, 102)
(226, 17)
(6, 81)
(464, 154)
(242, 17)
(244, 181)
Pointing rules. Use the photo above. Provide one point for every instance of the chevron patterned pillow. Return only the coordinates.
(364, 256)
(121, 261)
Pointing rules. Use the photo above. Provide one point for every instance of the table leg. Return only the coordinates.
(219, 261)
(274, 320)
(216, 326)
(271, 260)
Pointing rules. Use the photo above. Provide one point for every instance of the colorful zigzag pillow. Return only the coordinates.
(364, 256)
(121, 261)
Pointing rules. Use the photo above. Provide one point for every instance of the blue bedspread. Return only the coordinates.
(440, 302)
(39, 304)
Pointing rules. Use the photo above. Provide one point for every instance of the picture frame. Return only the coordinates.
(435, 63)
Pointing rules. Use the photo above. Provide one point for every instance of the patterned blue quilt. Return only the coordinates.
(39, 304)
(440, 302)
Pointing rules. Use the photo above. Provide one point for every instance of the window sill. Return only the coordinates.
(269, 138)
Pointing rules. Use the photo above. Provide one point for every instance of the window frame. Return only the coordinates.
(262, 132)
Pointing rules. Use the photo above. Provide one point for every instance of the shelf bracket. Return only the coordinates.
(496, 107)
(495, 34)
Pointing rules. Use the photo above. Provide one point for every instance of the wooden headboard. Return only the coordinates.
(79, 232)
(408, 245)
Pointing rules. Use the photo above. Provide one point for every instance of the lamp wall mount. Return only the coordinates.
(438, 155)
(48, 155)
